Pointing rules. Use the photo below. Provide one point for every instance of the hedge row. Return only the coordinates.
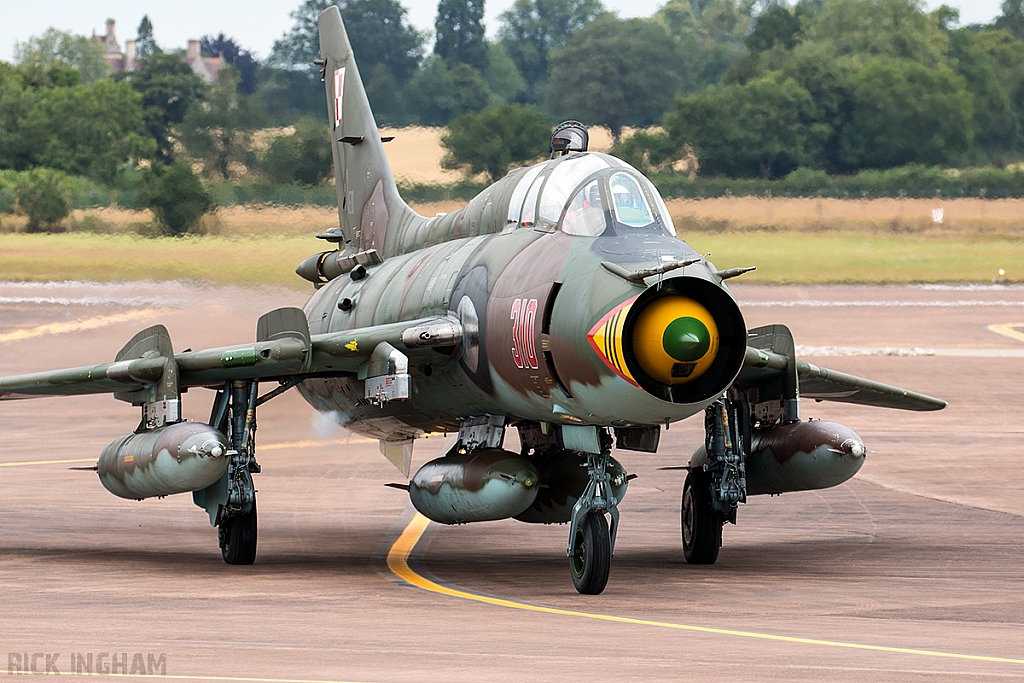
(906, 181)
(86, 194)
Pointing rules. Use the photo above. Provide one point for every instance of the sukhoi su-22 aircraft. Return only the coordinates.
(558, 302)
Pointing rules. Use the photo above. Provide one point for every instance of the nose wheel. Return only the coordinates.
(591, 539)
(591, 558)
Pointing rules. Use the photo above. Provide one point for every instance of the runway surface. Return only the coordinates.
(912, 571)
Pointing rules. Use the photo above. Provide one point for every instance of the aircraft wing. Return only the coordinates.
(761, 366)
(283, 349)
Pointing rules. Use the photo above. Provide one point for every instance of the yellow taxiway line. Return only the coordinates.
(398, 563)
(1009, 330)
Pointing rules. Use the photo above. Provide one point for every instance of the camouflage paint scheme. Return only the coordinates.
(523, 305)
(177, 458)
(495, 270)
(481, 486)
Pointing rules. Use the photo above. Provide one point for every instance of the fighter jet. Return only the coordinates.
(558, 302)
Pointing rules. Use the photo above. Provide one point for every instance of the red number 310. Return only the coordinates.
(524, 322)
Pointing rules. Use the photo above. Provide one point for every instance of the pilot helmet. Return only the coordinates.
(568, 137)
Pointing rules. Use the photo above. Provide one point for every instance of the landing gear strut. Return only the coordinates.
(715, 487)
(235, 415)
(591, 541)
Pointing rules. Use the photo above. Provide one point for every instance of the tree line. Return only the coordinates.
(738, 88)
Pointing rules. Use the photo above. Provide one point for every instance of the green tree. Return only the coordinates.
(218, 130)
(615, 72)
(899, 29)
(15, 104)
(89, 130)
(765, 128)
(460, 32)
(1004, 53)
(650, 151)
(996, 127)
(494, 139)
(904, 112)
(502, 76)
(167, 88)
(440, 92)
(286, 95)
(43, 196)
(1012, 18)
(777, 26)
(724, 21)
(377, 29)
(303, 157)
(709, 38)
(39, 54)
(145, 43)
(235, 55)
(827, 79)
(176, 196)
(532, 28)
(386, 96)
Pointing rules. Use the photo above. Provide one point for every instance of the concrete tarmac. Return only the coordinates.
(912, 571)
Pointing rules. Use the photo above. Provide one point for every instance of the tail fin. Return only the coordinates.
(368, 199)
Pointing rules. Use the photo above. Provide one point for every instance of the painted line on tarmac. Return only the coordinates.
(398, 563)
(123, 302)
(1011, 330)
(77, 325)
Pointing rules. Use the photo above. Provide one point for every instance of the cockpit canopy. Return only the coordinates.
(587, 194)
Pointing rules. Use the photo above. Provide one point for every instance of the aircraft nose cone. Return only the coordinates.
(686, 339)
(527, 478)
(853, 448)
(674, 340)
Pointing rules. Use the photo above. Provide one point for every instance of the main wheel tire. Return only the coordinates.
(591, 558)
(238, 538)
(701, 524)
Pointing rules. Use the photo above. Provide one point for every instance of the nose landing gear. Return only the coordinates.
(591, 539)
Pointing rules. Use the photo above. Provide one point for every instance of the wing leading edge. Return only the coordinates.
(822, 384)
(284, 349)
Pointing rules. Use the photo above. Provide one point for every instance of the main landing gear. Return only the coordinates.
(716, 482)
(591, 539)
(231, 501)
(237, 537)
(701, 523)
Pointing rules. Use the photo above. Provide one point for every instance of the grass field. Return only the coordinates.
(985, 218)
(221, 260)
(789, 240)
(781, 257)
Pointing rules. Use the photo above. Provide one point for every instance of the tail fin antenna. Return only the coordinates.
(368, 199)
